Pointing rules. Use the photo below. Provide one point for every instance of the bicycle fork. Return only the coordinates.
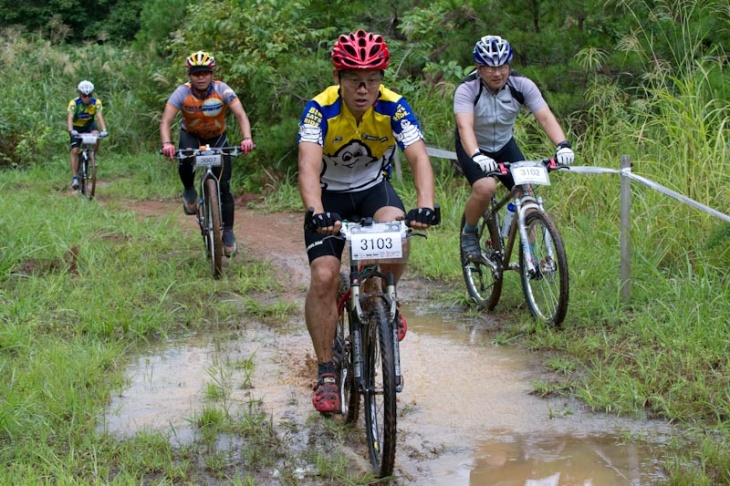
(205, 225)
(357, 334)
(525, 204)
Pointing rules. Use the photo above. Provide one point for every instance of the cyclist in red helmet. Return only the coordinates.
(348, 135)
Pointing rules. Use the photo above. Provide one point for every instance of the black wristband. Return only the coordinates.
(563, 144)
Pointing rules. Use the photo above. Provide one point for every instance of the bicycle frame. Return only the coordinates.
(525, 200)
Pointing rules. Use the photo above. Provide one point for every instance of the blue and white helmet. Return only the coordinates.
(492, 50)
(85, 87)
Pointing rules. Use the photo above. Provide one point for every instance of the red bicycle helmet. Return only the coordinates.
(360, 50)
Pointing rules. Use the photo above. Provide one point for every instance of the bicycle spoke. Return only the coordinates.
(213, 229)
(546, 284)
(483, 284)
(380, 401)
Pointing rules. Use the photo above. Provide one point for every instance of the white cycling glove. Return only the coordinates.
(487, 164)
(565, 154)
(103, 134)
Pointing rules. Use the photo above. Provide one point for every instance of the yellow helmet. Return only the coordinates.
(200, 61)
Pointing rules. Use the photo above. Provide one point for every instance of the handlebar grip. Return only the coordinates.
(308, 223)
(437, 216)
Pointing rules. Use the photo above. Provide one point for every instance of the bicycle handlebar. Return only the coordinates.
(185, 153)
(550, 163)
(90, 138)
(309, 215)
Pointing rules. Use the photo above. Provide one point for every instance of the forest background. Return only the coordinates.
(648, 79)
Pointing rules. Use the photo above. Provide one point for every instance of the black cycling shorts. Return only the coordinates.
(76, 141)
(361, 204)
(509, 153)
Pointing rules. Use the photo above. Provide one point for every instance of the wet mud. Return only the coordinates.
(466, 415)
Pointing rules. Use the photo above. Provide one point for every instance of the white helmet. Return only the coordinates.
(492, 50)
(85, 87)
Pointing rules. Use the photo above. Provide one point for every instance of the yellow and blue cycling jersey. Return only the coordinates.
(355, 155)
(83, 114)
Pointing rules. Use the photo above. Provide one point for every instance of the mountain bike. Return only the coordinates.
(209, 215)
(366, 347)
(87, 164)
(543, 265)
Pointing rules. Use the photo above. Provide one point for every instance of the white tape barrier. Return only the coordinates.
(445, 154)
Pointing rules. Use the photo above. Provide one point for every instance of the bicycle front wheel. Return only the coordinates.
(546, 286)
(90, 176)
(212, 232)
(482, 282)
(86, 167)
(379, 395)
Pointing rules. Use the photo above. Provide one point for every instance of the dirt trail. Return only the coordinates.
(465, 415)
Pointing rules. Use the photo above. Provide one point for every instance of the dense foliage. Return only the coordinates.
(646, 78)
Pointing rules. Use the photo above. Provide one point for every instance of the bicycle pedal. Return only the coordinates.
(399, 384)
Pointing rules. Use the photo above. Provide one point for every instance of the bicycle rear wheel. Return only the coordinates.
(379, 396)
(212, 232)
(344, 357)
(546, 288)
(483, 284)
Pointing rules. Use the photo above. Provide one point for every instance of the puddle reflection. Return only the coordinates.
(493, 432)
(565, 460)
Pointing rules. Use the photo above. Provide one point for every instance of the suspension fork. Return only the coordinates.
(524, 205)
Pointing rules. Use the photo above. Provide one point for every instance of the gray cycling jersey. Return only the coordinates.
(495, 113)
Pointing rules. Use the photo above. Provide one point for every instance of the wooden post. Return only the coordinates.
(625, 231)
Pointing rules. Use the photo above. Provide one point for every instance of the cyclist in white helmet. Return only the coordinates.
(486, 105)
(82, 115)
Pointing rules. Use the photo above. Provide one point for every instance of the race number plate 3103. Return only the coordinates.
(208, 160)
(530, 173)
(381, 241)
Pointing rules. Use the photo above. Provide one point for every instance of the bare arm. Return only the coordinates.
(70, 121)
(310, 167)
(168, 116)
(242, 119)
(102, 125)
(465, 124)
(550, 124)
(420, 163)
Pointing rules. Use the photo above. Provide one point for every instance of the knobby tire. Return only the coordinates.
(344, 357)
(547, 289)
(87, 176)
(483, 284)
(91, 176)
(213, 233)
(380, 393)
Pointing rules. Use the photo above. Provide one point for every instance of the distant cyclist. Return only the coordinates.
(203, 103)
(83, 113)
(486, 105)
(347, 137)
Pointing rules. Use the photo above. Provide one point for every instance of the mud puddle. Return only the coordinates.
(465, 416)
